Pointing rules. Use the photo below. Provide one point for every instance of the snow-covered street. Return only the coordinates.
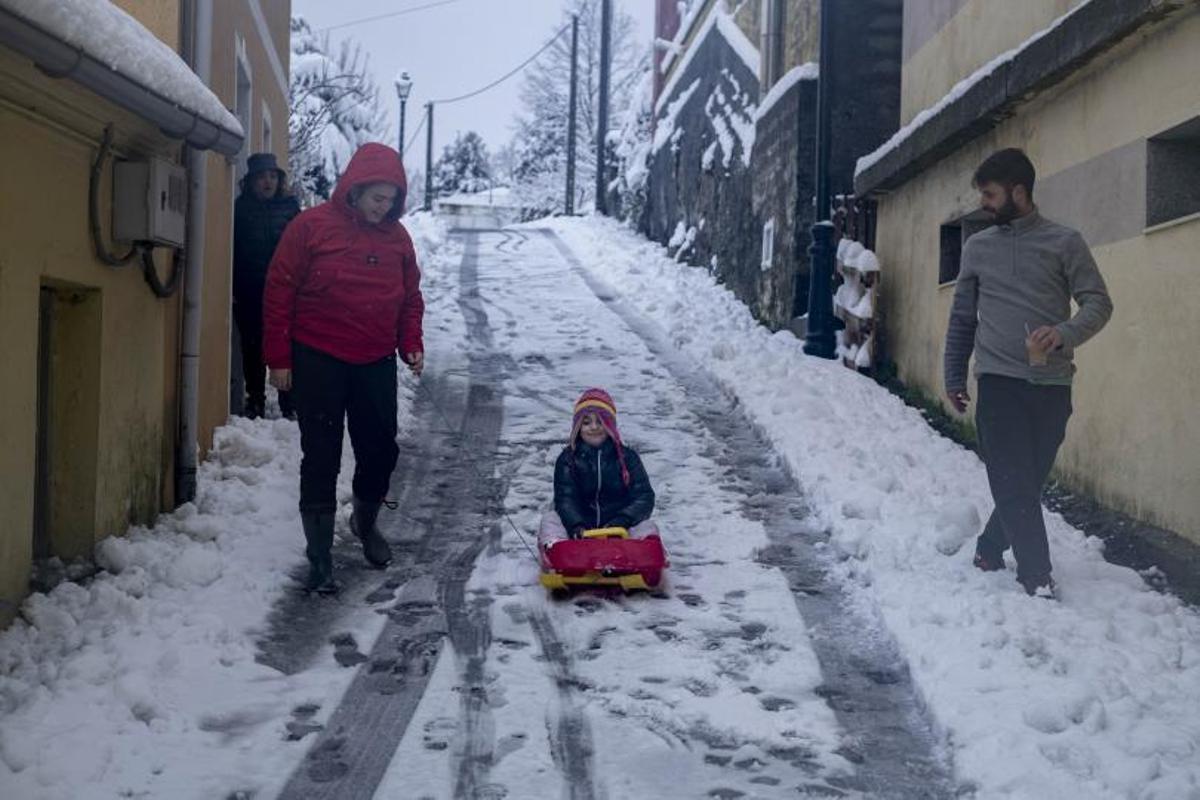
(822, 632)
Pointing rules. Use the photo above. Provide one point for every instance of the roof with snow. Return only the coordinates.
(987, 97)
(109, 52)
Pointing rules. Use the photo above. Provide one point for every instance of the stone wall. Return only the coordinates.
(705, 190)
(699, 182)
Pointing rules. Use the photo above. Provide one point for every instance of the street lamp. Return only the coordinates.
(819, 339)
(404, 85)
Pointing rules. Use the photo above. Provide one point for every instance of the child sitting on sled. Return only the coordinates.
(599, 482)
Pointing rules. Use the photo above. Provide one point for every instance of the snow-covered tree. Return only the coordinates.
(464, 166)
(631, 147)
(334, 105)
(540, 143)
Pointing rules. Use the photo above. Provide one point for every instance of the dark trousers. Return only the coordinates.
(1021, 426)
(248, 316)
(326, 391)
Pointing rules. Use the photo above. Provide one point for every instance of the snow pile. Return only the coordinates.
(1093, 696)
(143, 681)
(852, 254)
(106, 33)
(154, 658)
(958, 90)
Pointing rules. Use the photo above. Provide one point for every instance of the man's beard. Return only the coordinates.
(1006, 213)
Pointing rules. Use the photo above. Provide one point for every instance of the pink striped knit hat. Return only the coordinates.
(599, 402)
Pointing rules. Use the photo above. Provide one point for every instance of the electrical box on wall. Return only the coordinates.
(149, 202)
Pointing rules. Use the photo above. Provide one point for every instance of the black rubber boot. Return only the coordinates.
(287, 409)
(318, 532)
(255, 407)
(362, 523)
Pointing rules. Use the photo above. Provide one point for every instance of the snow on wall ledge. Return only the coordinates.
(106, 33)
(958, 90)
(804, 72)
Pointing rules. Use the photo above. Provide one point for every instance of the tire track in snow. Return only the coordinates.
(450, 498)
(570, 735)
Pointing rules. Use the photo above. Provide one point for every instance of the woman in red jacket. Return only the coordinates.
(342, 297)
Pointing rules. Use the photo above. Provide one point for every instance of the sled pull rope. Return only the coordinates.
(449, 428)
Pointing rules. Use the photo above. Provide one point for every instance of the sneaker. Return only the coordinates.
(988, 564)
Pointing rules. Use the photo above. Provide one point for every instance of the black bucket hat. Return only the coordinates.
(262, 162)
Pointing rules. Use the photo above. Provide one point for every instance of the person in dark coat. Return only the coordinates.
(343, 297)
(599, 481)
(262, 210)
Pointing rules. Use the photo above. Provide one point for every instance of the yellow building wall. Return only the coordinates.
(235, 21)
(1131, 440)
(115, 354)
(109, 356)
(978, 32)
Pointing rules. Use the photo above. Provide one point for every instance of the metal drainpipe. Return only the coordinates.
(187, 450)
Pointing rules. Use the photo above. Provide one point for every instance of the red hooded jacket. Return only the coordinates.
(342, 285)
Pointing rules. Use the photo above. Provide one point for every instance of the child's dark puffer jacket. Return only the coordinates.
(589, 491)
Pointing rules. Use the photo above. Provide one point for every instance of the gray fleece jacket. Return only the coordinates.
(1021, 276)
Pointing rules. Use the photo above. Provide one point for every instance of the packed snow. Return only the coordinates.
(146, 675)
(667, 692)
(106, 33)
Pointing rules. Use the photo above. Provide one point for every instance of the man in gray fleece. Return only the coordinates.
(1012, 306)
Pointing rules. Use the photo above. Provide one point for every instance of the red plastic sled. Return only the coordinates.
(604, 557)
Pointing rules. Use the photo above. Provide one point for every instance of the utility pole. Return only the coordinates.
(602, 117)
(569, 205)
(429, 157)
(818, 338)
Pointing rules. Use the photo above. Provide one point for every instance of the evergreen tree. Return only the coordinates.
(464, 166)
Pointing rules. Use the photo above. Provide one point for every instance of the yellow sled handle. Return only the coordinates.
(606, 533)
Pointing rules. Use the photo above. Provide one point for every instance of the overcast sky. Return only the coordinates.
(453, 49)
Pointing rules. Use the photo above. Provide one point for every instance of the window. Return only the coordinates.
(266, 130)
(768, 244)
(241, 101)
(1173, 173)
(954, 235)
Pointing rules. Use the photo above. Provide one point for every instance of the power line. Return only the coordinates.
(386, 16)
(416, 133)
(509, 74)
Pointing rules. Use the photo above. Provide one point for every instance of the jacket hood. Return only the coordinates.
(372, 163)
